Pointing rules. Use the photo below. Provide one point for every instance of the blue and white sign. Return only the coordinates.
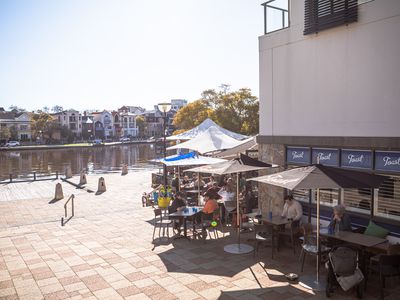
(298, 155)
(387, 161)
(359, 159)
(328, 157)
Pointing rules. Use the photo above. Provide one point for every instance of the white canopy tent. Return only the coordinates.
(213, 139)
(247, 144)
(206, 124)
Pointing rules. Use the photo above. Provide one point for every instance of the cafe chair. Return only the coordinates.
(309, 245)
(214, 225)
(263, 235)
(293, 233)
(388, 266)
(161, 220)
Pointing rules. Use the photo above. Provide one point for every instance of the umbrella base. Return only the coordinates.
(310, 282)
(238, 248)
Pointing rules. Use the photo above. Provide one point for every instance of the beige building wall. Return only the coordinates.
(343, 81)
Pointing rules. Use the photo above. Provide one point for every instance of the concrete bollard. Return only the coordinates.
(101, 188)
(68, 172)
(82, 179)
(59, 192)
(124, 170)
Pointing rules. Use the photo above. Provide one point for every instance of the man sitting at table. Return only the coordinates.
(340, 219)
(292, 209)
(178, 204)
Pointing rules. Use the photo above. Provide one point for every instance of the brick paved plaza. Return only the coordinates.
(106, 252)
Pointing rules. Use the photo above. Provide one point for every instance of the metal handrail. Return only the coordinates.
(71, 198)
(36, 177)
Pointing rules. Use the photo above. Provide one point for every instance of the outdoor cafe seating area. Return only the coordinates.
(237, 215)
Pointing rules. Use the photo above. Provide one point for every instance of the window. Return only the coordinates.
(327, 197)
(358, 200)
(301, 195)
(276, 15)
(323, 14)
(388, 199)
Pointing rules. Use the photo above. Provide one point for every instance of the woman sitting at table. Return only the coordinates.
(178, 204)
(292, 209)
(210, 197)
(340, 220)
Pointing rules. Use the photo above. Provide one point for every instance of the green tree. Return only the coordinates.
(14, 107)
(57, 108)
(192, 115)
(13, 133)
(237, 111)
(141, 124)
(5, 133)
(43, 124)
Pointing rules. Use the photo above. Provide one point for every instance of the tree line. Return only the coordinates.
(237, 111)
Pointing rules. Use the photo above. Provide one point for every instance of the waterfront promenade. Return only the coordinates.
(106, 252)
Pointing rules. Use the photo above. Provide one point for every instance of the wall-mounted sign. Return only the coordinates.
(329, 157)
(298, 155)
(387, 161)
(359, 159)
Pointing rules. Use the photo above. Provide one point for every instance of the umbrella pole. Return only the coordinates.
(309, 281)
(318, 246)
(198, 186)
(237, 207)
(179, 179)
(238, 248)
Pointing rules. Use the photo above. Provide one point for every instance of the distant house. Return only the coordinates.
(87, 126)
(103, 125)
(177, 104)
(70, 119)
(18, 124)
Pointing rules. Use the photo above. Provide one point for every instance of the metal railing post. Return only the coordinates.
(34, 176)
(56, 174)
(10, 178)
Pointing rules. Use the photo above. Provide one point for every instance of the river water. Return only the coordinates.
(93, 159)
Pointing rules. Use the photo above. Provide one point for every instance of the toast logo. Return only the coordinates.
(297, 155)
(389, 161)
(354, 159)
(324, 156)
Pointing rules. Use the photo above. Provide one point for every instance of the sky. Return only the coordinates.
(102, 54)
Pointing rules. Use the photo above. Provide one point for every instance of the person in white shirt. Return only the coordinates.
(292, 209)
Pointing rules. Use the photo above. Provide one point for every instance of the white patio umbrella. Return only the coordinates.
(320, 177)
(235, 166)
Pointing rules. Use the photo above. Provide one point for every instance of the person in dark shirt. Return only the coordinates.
(175, 183)
(340, 218)
(178, 204)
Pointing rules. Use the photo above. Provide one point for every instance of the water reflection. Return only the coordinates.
(94, 159)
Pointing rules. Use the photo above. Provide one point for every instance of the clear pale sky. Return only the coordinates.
(102, 54)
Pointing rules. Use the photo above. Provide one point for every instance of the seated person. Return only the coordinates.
(292, 209)
(198, 183)
(340, 219)
(185, 182)
(178, 204)
(210, 198)
(249, 197)
(212, 182)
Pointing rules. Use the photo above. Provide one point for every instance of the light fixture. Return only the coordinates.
(164, 107)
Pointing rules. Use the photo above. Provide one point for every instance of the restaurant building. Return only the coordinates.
(330, 90)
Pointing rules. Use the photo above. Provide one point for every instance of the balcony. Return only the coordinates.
(276, 15)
